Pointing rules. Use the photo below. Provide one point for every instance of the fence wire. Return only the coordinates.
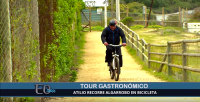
(19, 43)
(191, 61)
(24, 44)
(157, 49)
(194, 48)
(156, 18)
(177, 60)
(5, 43)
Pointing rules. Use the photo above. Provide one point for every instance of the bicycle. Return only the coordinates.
(115, 69)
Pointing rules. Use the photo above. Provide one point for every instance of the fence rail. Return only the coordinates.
(141, 47)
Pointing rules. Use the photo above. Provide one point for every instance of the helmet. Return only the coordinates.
(112, 23)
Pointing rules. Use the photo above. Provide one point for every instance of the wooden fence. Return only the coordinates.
(145, 52)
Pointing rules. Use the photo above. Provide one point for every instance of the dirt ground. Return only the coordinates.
(95, 69)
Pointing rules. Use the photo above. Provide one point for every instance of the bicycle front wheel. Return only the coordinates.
(117, 69)
(112, 74)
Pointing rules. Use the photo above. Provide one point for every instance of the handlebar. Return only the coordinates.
(115, 45)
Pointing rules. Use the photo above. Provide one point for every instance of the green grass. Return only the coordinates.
(137, 27)
(97, 28)
(161, 75)
(94, 28)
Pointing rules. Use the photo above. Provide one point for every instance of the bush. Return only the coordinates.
(154, 26)
(153, 23)
(137, 27)
(128, 21)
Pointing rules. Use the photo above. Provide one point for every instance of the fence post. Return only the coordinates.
(186, 19)
(168, 58)
(132, 40)
(149, 55)
(128, 36)
(179, 16)
(186, 15)
(127, 11)
(163, 16)
(143, 50)
(6, 43)
(182, 15)
(145, 16)
(35, 29)
(90, 17)
(184, 50)
(137, 46)
(126, 33)
(112, 9)
(101, 19)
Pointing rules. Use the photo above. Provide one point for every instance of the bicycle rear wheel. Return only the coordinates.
(117, 69)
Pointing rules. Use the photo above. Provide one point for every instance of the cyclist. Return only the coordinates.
(111, 35)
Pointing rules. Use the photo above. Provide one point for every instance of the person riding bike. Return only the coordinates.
(111, 35)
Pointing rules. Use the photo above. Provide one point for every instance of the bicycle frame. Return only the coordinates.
(114, 55)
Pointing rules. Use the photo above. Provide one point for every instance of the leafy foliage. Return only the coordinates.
(128, 21)
(196, 15)
(170, 5)
(134, 7)
(67, 24)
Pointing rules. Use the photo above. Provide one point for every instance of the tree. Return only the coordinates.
(129, 1)
(173, 2)
(196, 15)
(135, 7)
(122, 2)
(147, 2)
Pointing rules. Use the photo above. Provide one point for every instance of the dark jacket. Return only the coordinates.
(113, 37)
